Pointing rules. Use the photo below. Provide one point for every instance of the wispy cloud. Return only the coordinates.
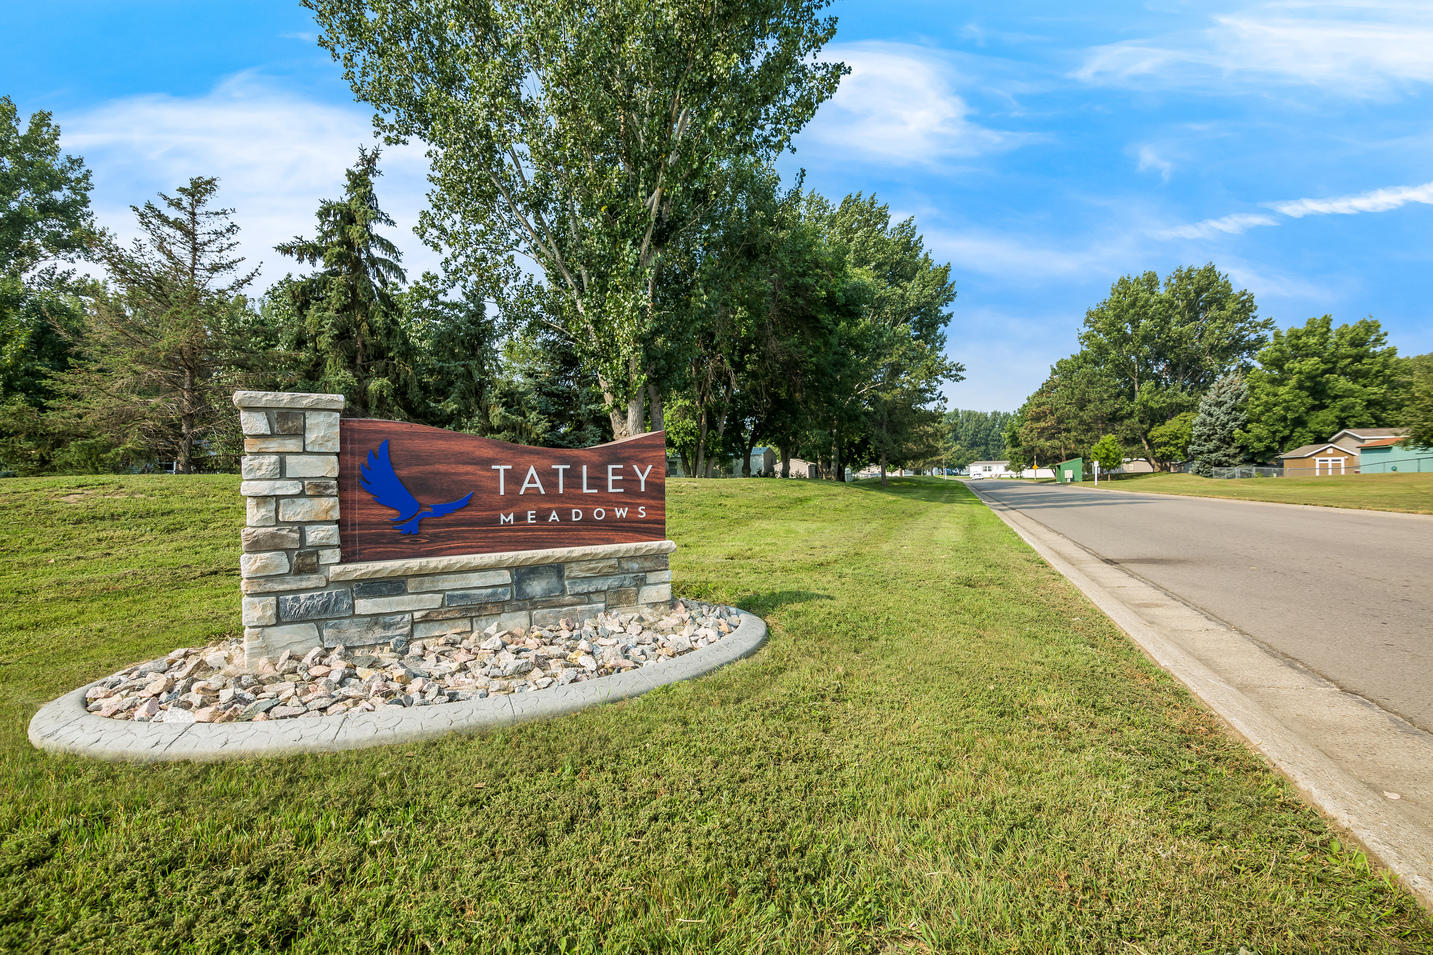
(1225, 225)
(1379, 200)
(1026, 259)
(1149, 160)
(1350, 48)
(899, 105)
(276, 155)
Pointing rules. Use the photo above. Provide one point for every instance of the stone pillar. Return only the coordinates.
(290, 486)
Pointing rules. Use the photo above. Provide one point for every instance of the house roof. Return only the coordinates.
(1364, 435)
(994, 463)
(1383, 442)
(1311, 449)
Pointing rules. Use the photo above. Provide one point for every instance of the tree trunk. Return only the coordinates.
(654, 399)
(785, 463)
(184, 464)
(703, 427)
(883, 466)
(837, 468)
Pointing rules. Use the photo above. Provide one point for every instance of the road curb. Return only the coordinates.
(64, 726)
(1347, 802)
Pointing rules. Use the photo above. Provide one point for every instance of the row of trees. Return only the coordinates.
(813, 326)
(1185, 369)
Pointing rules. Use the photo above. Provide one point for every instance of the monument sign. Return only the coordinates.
(408, 490)
(364, 532)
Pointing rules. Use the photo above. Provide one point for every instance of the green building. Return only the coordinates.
(1385, 457)
(1071, 471)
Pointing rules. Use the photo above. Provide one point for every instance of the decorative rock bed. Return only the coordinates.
(210, 684)
(201, 704)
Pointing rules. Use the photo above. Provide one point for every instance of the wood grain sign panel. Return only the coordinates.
(408, 490)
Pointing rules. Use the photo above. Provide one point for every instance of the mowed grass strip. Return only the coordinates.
(1410, 493)
(943, 748)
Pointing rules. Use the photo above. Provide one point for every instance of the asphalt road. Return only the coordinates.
(1348, 594)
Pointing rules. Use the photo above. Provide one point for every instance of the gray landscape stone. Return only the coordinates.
(381, 588)
(366, 631)
(545, 580)
(465, 598)
(315, 606)
(63, 725)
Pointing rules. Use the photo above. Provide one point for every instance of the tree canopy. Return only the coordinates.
(589, 141)
(157, 344)
(1316, 379)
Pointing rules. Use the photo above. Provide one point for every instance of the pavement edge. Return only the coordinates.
(1343, 800)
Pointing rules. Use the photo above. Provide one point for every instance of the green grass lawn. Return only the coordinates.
(1412, 493)
(943, 748)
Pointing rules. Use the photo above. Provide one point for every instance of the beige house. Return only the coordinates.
(1320, 460)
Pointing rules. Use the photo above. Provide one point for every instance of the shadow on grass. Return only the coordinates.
(762, 603)
(930, 489)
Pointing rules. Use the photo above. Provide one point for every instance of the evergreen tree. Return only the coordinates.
(156, 345)
(1214, 437)
(456, 357)
(350, 332)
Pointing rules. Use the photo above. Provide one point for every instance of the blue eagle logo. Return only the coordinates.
(382, 484)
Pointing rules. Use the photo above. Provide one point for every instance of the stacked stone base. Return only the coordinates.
(374, 603)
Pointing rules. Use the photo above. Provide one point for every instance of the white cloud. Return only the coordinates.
(1379, 200)
(277, 155)
(1022, 259)
(1351, 48)
(1149, 160)
(899, 105)
(1209, 228)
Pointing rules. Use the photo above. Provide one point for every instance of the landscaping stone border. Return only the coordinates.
(64, 726)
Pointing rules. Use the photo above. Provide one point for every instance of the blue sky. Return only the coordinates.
(1043, 153)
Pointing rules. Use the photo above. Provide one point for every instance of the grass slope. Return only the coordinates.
(943, 748)
(1411, 493)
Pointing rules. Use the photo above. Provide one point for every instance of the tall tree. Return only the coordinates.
(1165, 344)
(1223, 413)
(45, 226)
(350, 326)
(588, 139)
(907, 317)
(155, 345)
(1418, 414)
(1316, 379)
(1070, 410)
